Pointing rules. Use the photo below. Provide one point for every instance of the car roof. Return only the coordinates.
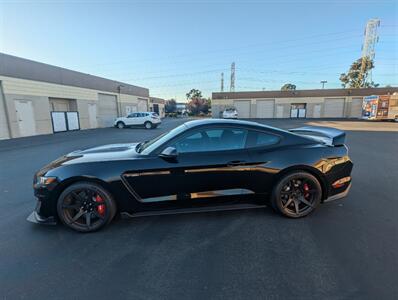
(292, 137)
(195, 123)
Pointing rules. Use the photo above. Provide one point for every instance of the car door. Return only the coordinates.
(141, 118)
(213, 162)
(131, 119)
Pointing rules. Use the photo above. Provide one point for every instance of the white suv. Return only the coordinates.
(230, 113)
(147, 119)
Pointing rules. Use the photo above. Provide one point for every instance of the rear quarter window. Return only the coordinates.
(263, 139)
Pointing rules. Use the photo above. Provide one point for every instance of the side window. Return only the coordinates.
(216, 139)
(263, 139)
(133, 115)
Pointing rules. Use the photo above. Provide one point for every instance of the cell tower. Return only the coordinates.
(232, 88)
(222, 82)
(368, 47)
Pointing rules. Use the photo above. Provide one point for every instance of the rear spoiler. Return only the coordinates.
(336, 136)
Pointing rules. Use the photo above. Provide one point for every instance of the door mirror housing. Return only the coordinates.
(169, 152)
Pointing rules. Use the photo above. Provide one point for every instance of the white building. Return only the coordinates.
(30, 91)
(320, 103)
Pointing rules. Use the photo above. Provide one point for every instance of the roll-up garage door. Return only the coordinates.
(142, 105)
(107, 110)
(334, 108)
(243, 108)
(265, 109)
(356, 108)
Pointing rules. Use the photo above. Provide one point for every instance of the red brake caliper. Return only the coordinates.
(100, 208)
(306, 189)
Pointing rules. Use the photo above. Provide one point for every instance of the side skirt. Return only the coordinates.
(191, 210)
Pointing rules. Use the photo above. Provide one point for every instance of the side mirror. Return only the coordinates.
(169, 152)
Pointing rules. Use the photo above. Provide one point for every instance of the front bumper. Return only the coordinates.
(41, 215)
(339, 195)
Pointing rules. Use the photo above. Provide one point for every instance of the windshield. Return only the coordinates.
(148, 146)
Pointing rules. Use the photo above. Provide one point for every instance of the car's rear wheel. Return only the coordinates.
(148, 125)
(120, 125)
(86, 207)
(297, 194)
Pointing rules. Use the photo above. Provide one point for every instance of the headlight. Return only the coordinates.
(44, 180)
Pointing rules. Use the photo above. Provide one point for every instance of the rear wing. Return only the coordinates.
(335, 136)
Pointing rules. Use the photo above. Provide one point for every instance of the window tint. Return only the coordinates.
(264, 139)
(217, 139)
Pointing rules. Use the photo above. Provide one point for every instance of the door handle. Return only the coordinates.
(235, 163)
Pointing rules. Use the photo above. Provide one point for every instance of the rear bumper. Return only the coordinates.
(339, 195)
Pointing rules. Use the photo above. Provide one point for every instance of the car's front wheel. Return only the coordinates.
(297, 194)
(120, 125)
(86, 207)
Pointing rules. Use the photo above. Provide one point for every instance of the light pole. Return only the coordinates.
(323, 83)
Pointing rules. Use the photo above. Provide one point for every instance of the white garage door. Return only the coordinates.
(243, 108)
(142, 105)
(334, 108)
(265, 109)
(107, 110)
(356, 108)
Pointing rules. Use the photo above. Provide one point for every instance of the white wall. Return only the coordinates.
(40, 92)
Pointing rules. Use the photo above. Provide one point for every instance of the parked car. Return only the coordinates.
(147, 119)
(202, 165)
(230, 113)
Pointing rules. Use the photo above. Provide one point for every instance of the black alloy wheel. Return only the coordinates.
(297, 194)
(85, 207)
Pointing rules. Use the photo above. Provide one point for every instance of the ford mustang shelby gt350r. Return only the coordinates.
(202, 165)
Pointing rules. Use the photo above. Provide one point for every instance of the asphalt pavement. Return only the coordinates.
(347, 249)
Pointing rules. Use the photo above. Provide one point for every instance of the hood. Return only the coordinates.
(101, 153)
(96, 154)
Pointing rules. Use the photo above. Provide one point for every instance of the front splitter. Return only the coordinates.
(34, 217)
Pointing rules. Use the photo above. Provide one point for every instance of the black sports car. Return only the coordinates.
(202, 165)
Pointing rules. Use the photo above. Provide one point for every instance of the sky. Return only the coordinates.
(171, 47)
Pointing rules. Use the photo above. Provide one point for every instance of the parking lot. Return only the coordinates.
(347, 249)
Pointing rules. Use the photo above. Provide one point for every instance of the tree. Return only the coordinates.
(197, 104)
(354, 78)
(170, 106)
(288, 87)
(194, 94)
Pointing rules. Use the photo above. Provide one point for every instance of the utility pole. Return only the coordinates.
(368, 47)
(222, 82)
(232, 88)
(323, 83)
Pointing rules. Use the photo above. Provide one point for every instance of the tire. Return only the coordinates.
(396, 119)
(120, 125)
(148, 125)
(86, 207)
(297, 194)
